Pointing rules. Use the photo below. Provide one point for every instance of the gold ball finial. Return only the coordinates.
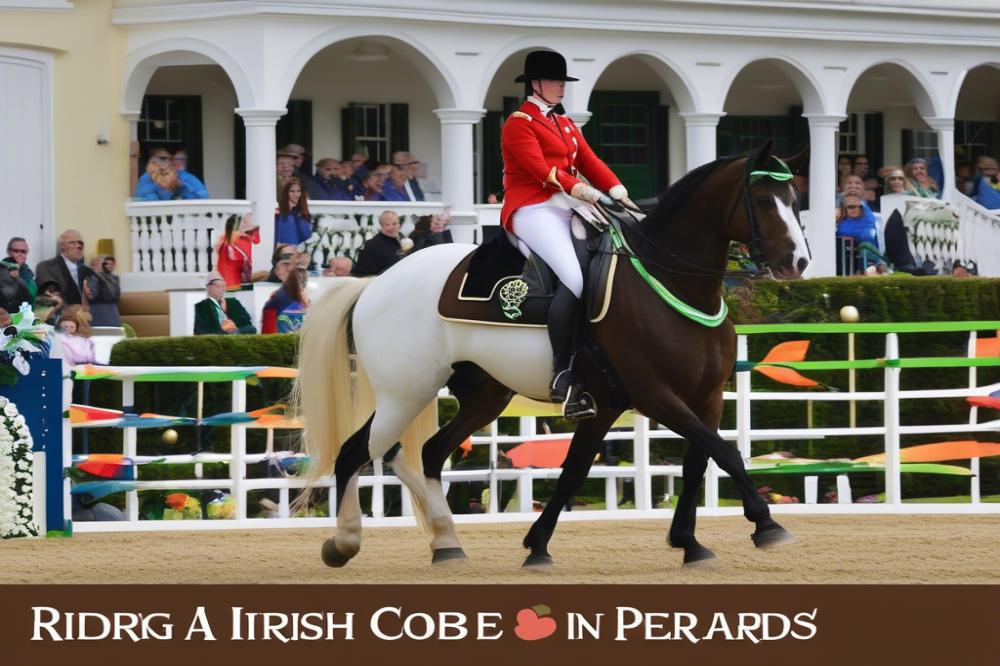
(849, 314)
(169, 436)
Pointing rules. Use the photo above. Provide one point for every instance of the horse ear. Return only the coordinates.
(799, 164)
(762, 156)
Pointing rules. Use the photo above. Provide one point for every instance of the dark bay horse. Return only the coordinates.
(672, 367)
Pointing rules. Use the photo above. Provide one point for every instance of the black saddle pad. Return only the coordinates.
(492, 261)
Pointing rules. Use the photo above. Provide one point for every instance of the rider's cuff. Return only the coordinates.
(618, 192)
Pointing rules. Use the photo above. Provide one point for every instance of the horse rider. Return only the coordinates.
(544, 153)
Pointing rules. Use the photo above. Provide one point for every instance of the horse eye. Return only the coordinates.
(765, 202)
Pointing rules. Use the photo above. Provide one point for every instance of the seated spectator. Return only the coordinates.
(862, 166)
(985, 188)
(853, 221)
(180, 162)
(49, 303)
(411, 169)
(67, 270)
(382, 250)
(285, 167)
(292, 223)
(105, 290)
(394, 189)
(217, 315)
(430, 230)
(77, 345)
(854, 185)
(373, 187)
(965, 178)
(338, 267)
(359, 165)
(895, 181)
(845, 167)
(329, 184)
(13, 291)
(922, 184)
(988, 168)
(234, 250)
(872, 192)
(492, 198)
(161, 182)
(301, 169)
(285, 310)
(17, 248)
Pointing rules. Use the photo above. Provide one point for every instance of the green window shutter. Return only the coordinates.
(874, 147)
(399, 127)
(347, 133)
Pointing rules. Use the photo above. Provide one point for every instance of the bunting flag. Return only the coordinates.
(851, 467)
(539, 453)
(83, 416)
(786, 352)
(991, 401)
(986, 347)
(941, 451)
(108, 466)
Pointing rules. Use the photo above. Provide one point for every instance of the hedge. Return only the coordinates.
(883, 299)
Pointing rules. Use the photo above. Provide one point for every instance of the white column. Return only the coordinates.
(821, 227)
(700, 139)
(457, 171)
(581, 118)
(261, 177)
(945, 128)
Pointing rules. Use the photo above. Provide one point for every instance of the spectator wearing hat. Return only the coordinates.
(17, 251)
(105, 290)
(302, 169)
(67, 270)
(218, 315)
(409, 166)
(331, 183)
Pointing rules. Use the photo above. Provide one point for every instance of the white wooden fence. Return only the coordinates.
(640, 472)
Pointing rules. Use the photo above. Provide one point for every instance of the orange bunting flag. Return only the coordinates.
(941, 451)
(466, 446)
(987, 347)
(539, 453)
(786, 352)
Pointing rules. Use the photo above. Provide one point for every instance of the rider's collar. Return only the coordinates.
(542, 105)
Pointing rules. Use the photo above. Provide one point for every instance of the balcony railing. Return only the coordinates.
(178, 236)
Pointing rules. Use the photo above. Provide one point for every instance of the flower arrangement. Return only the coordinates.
(222, 507)
(181, 506)
(16, 489)
(24, 336)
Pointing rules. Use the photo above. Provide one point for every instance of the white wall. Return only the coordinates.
(980, 95)
(217, 103)
(761, 89)
(332, 79)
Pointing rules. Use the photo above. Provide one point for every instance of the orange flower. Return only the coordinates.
(177, 501)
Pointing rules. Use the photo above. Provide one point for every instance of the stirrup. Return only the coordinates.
(559, 389)
(578, 404)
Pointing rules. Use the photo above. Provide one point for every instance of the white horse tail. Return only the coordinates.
(332, 401)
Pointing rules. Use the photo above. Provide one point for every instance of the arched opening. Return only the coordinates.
(636, 127)
(977, 128)
(765, 102)
(373, 95)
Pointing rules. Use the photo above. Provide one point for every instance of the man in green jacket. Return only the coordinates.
(218, 315)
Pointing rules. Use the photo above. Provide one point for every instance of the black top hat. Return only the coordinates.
(544, 65)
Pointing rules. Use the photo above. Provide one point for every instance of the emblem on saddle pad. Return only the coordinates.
(512, 295)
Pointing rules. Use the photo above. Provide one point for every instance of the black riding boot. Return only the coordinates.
(564, 322)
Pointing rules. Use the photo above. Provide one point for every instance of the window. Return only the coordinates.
(925, 144)
(370, 130)
(160, 121)
(850, 136)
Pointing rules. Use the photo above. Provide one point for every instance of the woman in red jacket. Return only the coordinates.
(234, 249)
(544, 154)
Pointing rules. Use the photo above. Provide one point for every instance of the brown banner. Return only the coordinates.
(510, 624)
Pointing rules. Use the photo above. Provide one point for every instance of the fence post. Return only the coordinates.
(130, 448)
(494, 450)
(973, 419)
(893, 489)
(640, 451)
(238, 450)
(743, 401)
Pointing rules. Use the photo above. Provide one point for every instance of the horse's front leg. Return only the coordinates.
(586, 440)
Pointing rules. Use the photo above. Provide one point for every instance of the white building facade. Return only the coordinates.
(664, 85)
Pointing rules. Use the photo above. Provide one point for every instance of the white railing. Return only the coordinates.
(958, 229)
(177, 236)
(640, 473)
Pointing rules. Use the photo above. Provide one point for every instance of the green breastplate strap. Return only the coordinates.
(694, 314)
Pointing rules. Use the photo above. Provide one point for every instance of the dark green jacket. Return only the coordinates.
(206, 318)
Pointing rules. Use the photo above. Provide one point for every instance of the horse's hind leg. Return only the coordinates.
(481, 399)
(339, 549)
(586, 440)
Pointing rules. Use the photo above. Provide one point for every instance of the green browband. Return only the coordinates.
(781, 174)
(695, 315)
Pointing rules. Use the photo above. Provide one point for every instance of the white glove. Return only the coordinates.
(585, 192)
(618, 192)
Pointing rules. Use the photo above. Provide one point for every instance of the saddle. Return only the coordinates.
(496, 285)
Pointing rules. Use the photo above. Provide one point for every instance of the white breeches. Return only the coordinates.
(545, 229)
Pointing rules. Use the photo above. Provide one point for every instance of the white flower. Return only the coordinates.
(9, 409)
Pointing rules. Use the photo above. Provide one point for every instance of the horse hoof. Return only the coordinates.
(331, 556)
(447, 555)
(537, 561)
(697, 554)
(772, 536)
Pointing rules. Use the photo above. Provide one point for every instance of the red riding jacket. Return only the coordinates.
(540, 159)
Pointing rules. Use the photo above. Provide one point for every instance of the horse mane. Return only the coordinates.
(677, 196)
